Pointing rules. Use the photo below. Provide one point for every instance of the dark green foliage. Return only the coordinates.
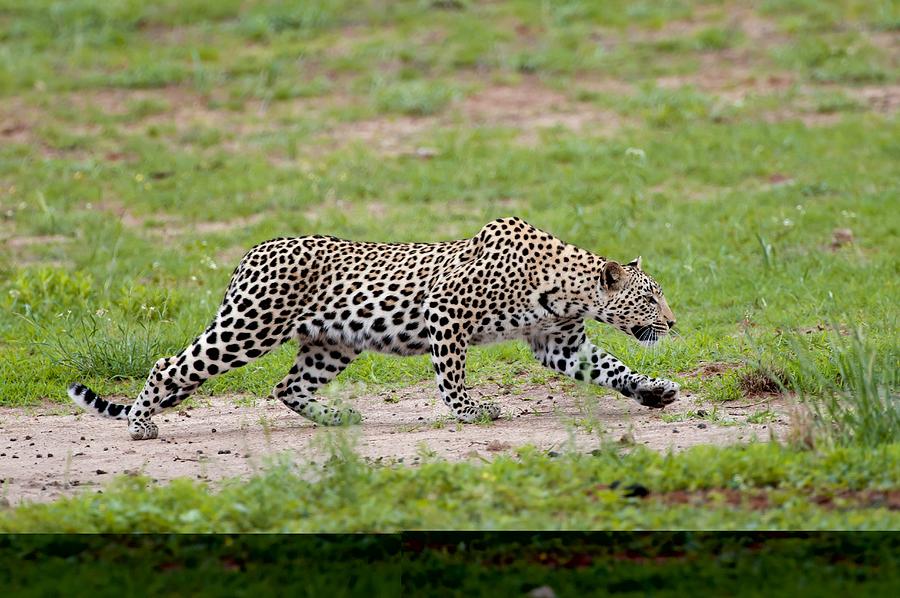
(453, 564)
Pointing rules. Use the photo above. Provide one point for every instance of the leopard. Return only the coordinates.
(338, 298)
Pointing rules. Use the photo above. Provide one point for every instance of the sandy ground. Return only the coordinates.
(45, 454)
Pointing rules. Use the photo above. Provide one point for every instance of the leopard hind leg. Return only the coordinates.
(318, 362)
(228, 343)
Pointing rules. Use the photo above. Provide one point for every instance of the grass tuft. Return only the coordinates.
(94, 346)
(860, 403)
(413, 98)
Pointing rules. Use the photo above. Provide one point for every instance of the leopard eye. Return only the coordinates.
(651, 299)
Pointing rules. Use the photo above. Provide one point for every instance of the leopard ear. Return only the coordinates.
(612, 276)
(636, 263)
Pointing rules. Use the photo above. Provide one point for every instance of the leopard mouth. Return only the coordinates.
(646, 335)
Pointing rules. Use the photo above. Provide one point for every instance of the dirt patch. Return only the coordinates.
(15, 131)
(754, 384)
(760, 30)
(729, 79)
(210, 227)
(733, 17)
(531, 107)
(178, 114)
(30, 241)
(178, 105)
(22, 119)
(841, 329)
(528, 106)
(375, 210)
(18, 119)
(22, 122)
(44, 455)
(879, 98)
(710, 369)
(168, 226)
(388, 135)
(21, 248)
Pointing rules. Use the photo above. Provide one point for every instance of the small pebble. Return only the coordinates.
(701, 426)
(542, 592)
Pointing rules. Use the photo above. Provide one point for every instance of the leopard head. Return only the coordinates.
(629, 299)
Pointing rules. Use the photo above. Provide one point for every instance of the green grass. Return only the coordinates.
(529, 491)
(145, 147)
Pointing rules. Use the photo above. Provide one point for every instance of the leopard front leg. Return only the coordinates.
(448, 356)
(568, 351)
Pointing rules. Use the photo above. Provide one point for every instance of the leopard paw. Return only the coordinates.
(143, 430)
(491, 410)
(348, 417)
(656, 393)
(479, 412)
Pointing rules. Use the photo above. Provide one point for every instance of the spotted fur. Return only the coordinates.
(338, 298)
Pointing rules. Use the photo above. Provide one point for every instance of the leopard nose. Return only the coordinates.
(671, 323)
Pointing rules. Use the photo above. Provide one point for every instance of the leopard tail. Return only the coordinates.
(88, 400)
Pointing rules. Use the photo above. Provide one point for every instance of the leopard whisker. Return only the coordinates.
(648, 338)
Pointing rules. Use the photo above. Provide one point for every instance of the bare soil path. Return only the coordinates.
(45, 455)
